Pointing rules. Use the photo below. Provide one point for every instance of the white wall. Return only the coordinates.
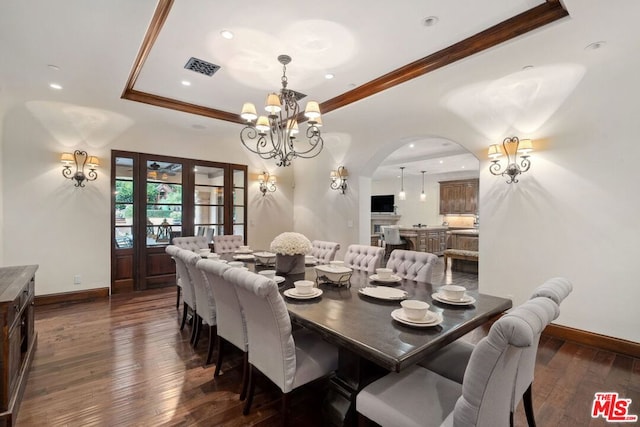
(47, 221)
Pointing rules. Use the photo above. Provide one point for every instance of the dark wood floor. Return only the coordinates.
(123, 362)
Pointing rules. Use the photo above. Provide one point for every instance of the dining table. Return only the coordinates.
(371, 342)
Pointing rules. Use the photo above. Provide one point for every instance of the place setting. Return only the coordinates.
(265, 258)
(271, 274)
(303, 290)
(385, 275)
(244, 253)
(453, 295)
(416, 313)
(310, 260)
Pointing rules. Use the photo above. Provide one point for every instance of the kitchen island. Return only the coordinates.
(428, 238)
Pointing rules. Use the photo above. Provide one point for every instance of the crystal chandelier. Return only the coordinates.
(274, 136)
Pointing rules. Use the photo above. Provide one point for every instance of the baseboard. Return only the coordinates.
(75, 296)
(592, 339)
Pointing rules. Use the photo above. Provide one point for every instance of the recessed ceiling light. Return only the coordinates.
(441, 161)
(329, 76)
(186, 83)
(430, 21)
(412, 145)
(226, 34)
(55, 86)
(595, 45)
(462, 166)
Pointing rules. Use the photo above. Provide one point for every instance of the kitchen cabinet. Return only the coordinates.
(425, 239)
(459, 197)
(18, 336)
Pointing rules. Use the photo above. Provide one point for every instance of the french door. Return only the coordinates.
(156, 198)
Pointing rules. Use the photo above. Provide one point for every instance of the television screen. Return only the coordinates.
(382, 203)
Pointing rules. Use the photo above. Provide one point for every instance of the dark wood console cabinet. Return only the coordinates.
(18, 341)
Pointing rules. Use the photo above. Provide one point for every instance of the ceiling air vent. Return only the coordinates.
(202, 67)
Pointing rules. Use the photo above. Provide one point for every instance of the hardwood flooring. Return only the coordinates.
(123, 362)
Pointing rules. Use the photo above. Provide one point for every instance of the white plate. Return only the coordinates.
(310, 260)
(247, 256)
(279, 279)
(219, 260)
(467, 300)
(432, 319)
(243, 251)
(391, 279)
(291, 293)
(381, 292)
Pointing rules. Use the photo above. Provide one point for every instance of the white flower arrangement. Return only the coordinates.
(290, 243)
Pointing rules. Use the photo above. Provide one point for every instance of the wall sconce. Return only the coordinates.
(267, 183)
(514, 149)
(80, 159)
(339, 179)
(402, 195)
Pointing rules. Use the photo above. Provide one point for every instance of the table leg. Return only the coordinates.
(353, 374)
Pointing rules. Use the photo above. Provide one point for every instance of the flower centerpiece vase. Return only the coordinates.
(290, 249)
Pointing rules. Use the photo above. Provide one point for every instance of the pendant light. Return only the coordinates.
(423, 196)
(402, 195)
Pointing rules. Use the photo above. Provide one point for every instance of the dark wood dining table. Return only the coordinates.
(370, 342)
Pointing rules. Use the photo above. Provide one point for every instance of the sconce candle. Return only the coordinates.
(80, 159)
(339, 179)
(515, 149)
(267, 183)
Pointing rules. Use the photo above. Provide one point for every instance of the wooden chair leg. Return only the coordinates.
(285, 409)
(185, 309)
(178, 297)
(245, 375)
(252, 387)
(363, 421)
(212, 341)
(197, 324)
(527, 400)
(220, 346)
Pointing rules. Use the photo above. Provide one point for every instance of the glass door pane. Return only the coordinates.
(239, 201)
(164, 202)
(124, 205)
(209, 212)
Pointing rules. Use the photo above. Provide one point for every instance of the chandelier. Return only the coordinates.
(274, 136)
(515, 149)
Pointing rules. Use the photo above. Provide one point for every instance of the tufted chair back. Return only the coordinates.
(556, 288)
(488, 385)
(188, 291)
(365, 258)
(324, 251)
(412, 265)
(392, 235)
(205, 303)
(231, 323)
(227, 243)
(191, 243)
(273, 350)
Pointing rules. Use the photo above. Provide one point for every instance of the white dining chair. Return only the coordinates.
(289, 360)
(188, 291)
(324, 251)
(364, 258)
(190, 243)
(412, 265)
(227, 243)
(205, 310)
(231, 324)
(420, 397)
(452, 361)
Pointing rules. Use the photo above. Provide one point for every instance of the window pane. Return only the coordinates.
(238, 215)
(209, 215)
(209, 195)
(124, 237)
(124, 214)
(124, 168)
(205, 175)
(238, 178)
(239, 230)
(238, 197)
(164, 193)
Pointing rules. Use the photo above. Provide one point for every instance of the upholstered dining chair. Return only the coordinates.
(420, 397)
(232, 327)
(205, 303)
(556, 288)
(452, 361)
(392, 239)
(190, 243)
(288, 359)
(364, 258)
(324, 251)
(412, 265)
(227, 243)
(184, 282)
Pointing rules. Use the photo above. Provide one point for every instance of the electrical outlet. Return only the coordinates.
(77, 280)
